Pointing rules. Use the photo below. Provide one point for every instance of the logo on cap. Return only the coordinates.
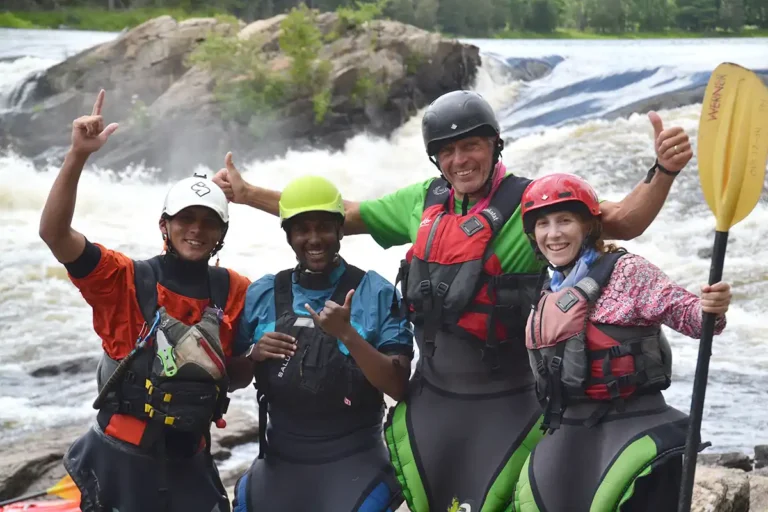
(200, 188)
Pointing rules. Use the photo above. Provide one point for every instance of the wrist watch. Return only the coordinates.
(657, 166)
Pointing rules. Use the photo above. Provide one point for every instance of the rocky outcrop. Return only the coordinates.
(720, 490)
(761, 456)
(79, 364)
(170, 117)
(733, 460)
(758, 493)
(139, 66)
(732, 482)
(33, 462)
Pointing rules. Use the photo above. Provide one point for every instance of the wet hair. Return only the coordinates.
(596, 228)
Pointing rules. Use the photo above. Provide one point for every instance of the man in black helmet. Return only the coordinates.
(460, 438)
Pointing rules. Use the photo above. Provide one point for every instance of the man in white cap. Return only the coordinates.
(166, 326)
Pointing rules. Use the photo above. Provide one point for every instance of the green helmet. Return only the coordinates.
(310, 194)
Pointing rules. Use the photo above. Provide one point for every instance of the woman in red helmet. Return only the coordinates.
(600, 361)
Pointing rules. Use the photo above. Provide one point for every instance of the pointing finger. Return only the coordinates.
(99, 103)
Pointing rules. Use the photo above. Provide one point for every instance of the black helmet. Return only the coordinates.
(456, 114)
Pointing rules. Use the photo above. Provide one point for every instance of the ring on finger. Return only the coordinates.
(676, 151)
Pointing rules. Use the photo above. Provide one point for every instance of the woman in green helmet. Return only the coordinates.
(325, 345)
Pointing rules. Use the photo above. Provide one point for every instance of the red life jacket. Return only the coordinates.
(452, 280)
(575, 360)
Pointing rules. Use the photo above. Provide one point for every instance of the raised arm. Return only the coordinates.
(240, 191)
(631, 216)
(88, 136)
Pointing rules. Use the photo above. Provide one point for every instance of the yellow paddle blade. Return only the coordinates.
(65, 489)
(733, 143)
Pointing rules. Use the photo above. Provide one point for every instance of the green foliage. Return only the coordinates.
(243, 84)
(368, 88)
(542, 16)
(8, 19)
(90, 18)
(321, 102)
(248, 91)
(301, 40)
(696, 15)
(413, 61)
(461, 18)
(351, 18)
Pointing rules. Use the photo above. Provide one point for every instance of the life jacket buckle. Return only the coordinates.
(555, 364)
(442, 289)
(425, 287)
(617, 351)
(613, 388)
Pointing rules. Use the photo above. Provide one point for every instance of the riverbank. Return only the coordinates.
(670, 34)
(83, 18)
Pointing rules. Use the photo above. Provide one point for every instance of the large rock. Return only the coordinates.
(761, 456)
(80, 364)
(33, 462)
(733, 460)
(758, 493)
(242, 427)
(182, 124)
(135, 69)
(720, 490)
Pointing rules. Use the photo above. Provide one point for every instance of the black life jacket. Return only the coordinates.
(452, 280)
(187, 402)
(319, 380)
(575, 360)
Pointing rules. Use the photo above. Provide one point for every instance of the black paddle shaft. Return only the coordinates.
(693, 439)
(23, 498)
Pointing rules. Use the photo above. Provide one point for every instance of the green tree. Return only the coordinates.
(651, 15)
(425, 15)
(402, 10)
(575, 14)
(607, 15)
(452, 16)
(732, 14)
(542, 16)
(756, 13)
(696, 15)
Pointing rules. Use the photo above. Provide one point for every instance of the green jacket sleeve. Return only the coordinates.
(394, 219)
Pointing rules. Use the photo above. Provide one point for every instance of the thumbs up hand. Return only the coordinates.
(230, 181)
(673, 148)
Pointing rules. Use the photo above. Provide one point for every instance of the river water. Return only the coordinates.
(560, 123)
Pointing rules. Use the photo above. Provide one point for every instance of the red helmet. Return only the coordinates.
(555, 189)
